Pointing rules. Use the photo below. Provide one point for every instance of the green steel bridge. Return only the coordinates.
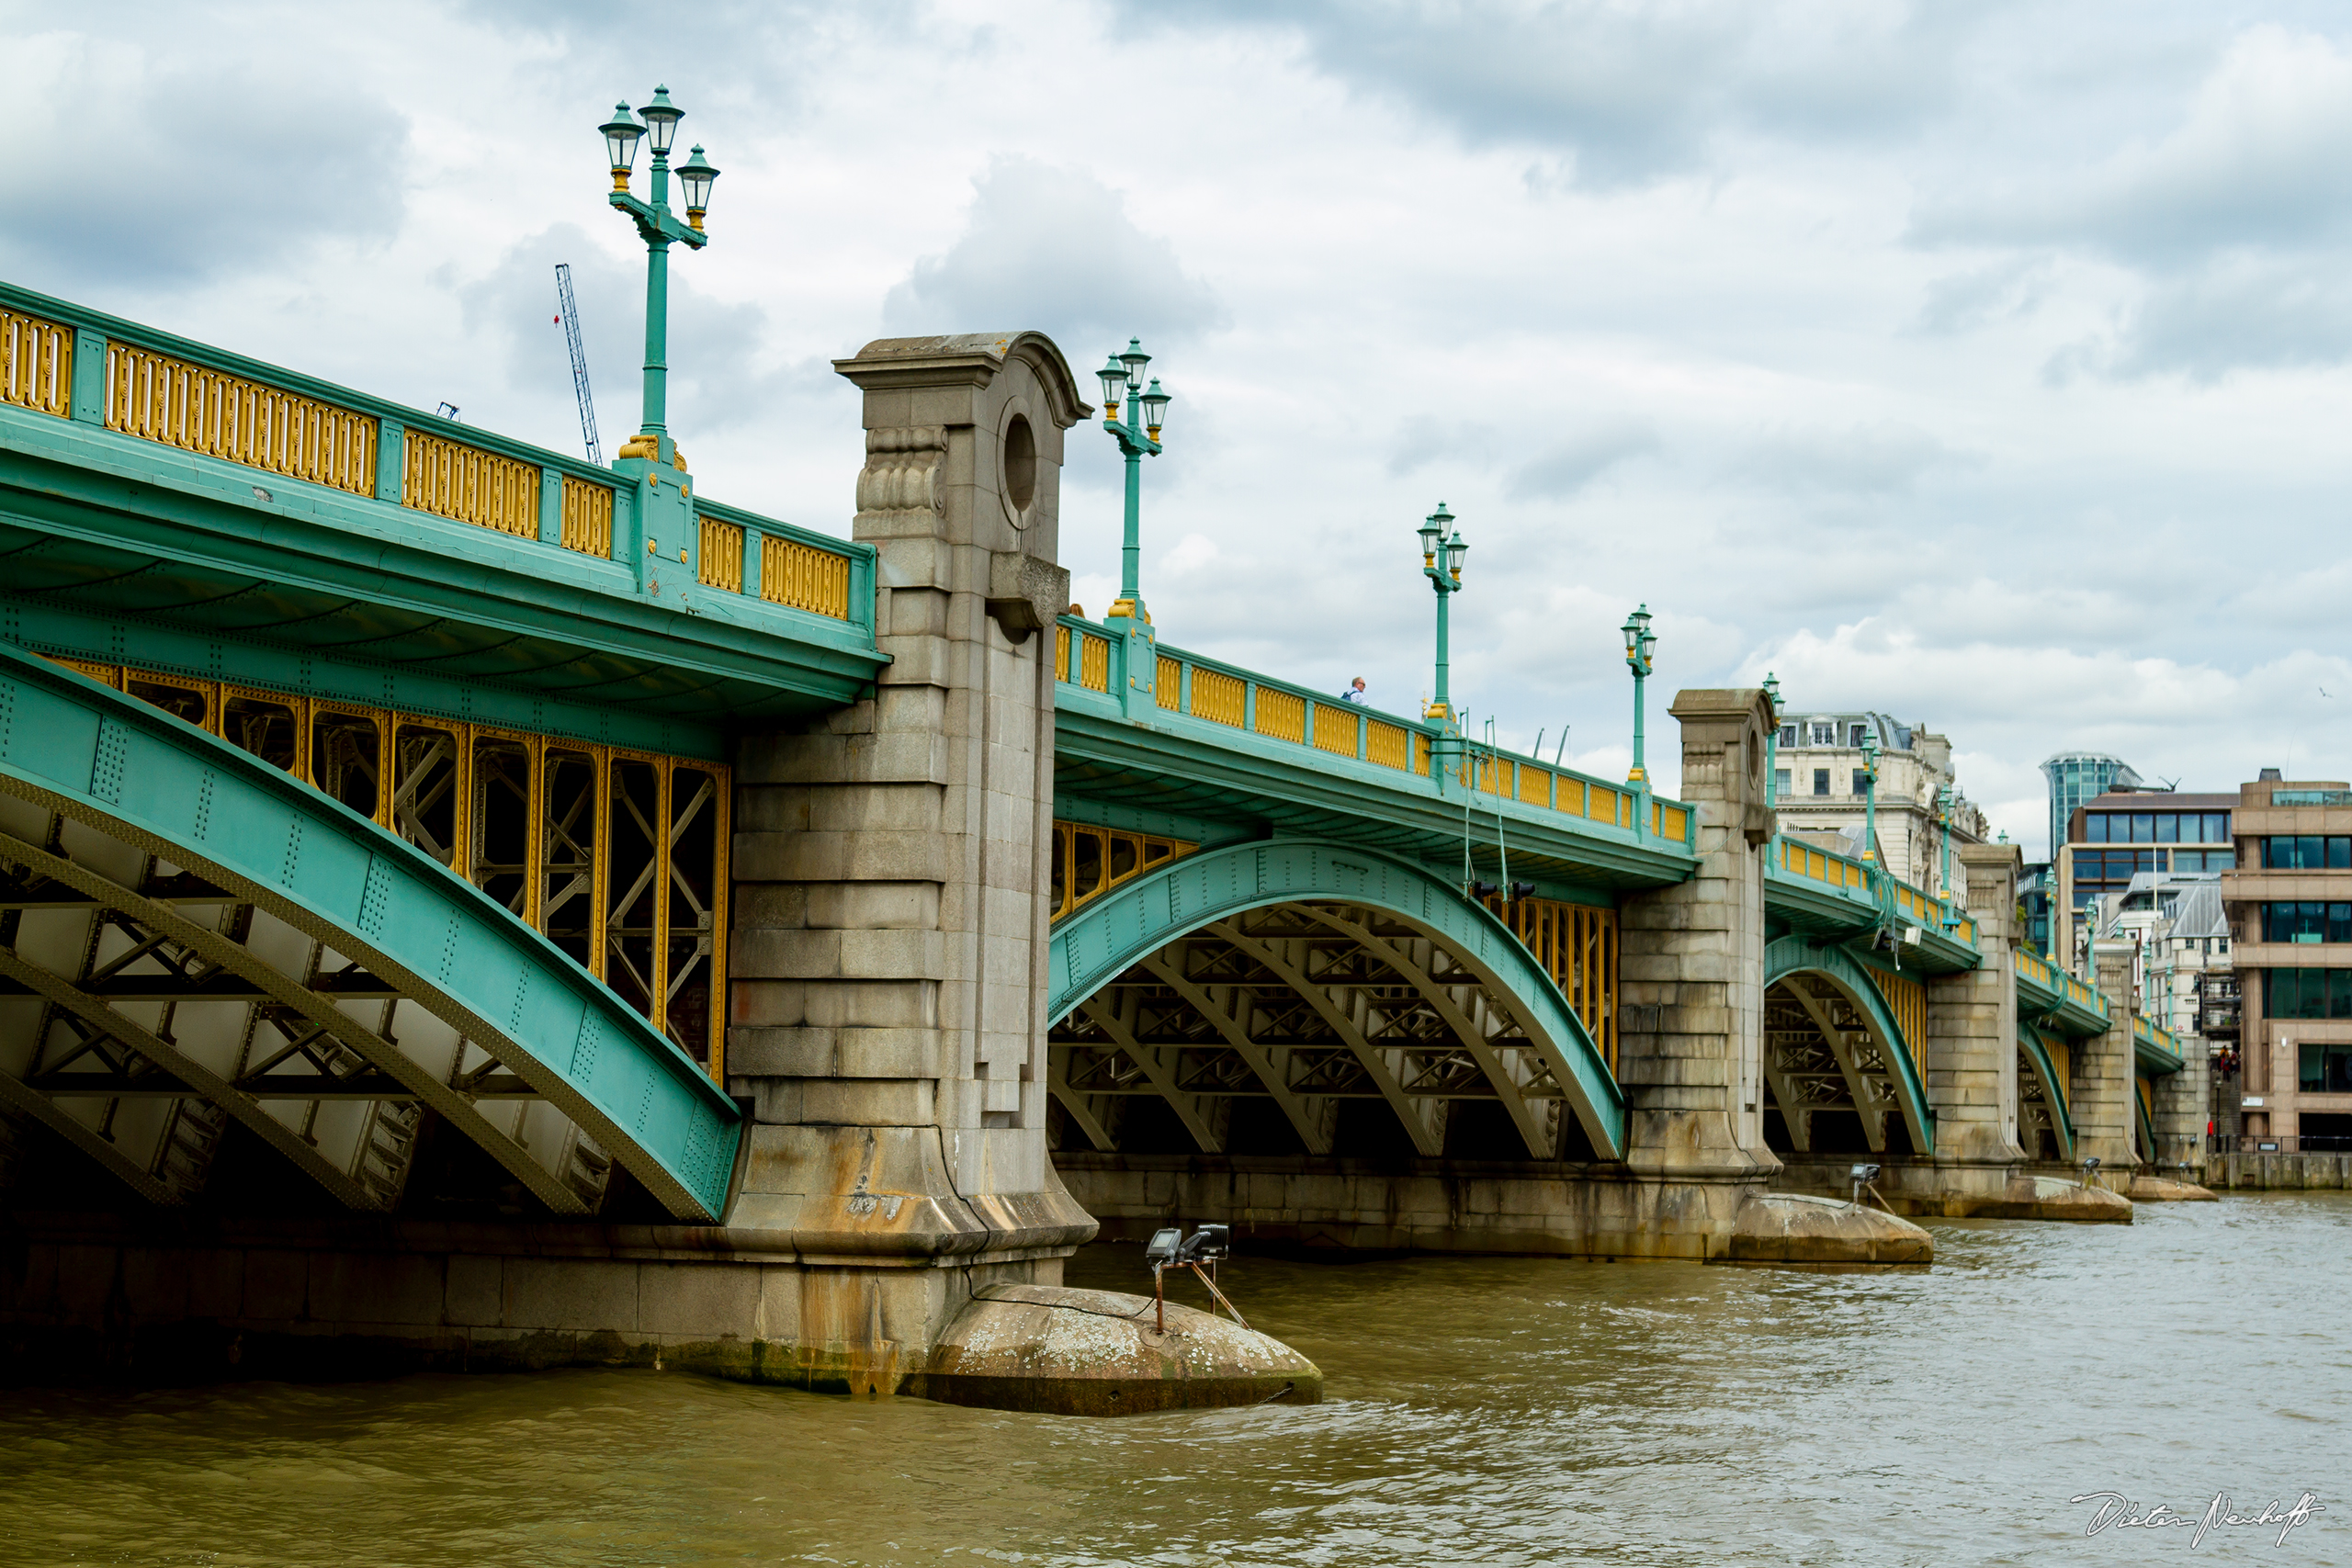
(362, 769)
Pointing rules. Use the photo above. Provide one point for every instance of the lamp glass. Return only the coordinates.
(695, 176)
(661, 117)
(1455, 550)
(1114, 380)
(1135, 359)
(620, 139)
(1155, 406)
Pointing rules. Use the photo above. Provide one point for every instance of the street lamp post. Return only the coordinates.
(1773, 750)
(1639, 644)
(1869, 797)
(1138, 436)
(1944, 803)
(1442, 564)
(660, 228)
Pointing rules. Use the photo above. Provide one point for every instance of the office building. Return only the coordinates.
(2126, 833)
(2076, 778)
(2289, 903)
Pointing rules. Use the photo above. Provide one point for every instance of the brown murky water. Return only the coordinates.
(1483, 1411)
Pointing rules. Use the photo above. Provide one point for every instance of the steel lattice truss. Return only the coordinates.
(1822, 1054)
(143, 1010)
(1307, 1005)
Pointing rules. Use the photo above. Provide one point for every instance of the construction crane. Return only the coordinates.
(569, 316)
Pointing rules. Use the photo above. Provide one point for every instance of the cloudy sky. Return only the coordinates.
(1986, 364)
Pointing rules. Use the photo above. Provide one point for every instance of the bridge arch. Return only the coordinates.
(191, 938)
(2044, 1125)
(1307, 973)
(1832, 1043)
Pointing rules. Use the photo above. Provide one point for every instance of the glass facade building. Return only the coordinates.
(2078, 778)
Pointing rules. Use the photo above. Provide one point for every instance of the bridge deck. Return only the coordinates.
(173, 505)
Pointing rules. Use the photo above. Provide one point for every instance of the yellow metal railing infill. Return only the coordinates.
(1241, 702)
(588, 518)
(721, 563)
(36, 364)
(211, 412)
(802, 577)
(466, 484)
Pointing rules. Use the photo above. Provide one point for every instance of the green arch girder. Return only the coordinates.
(1796, 955)
(94, 753)
(1095, 944)
(2037, 1054)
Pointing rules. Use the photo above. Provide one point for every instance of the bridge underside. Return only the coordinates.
(1829, 1077)
(1316, 1028)
(199, 956)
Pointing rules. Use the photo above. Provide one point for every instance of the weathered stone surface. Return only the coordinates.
(1797, 1228)
(1051, 1347)
(2146, 1189)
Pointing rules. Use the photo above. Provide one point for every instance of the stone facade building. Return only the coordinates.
(2290, 902)
(1818, 788)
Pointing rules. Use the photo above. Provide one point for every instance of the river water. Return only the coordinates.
(1503, 1411)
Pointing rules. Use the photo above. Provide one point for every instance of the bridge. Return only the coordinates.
(461, 905)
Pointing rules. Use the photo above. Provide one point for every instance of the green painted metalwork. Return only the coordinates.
(203, 805)
(1442, 564)
(1640, 644)
(1104, 938)
(660, 228)
(93, 520)
(1819, 892)
(2053, 1087)
(2048, 995)
(1797, 954)
(2153, 1049)
(1138, 437)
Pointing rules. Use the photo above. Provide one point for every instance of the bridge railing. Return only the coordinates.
(88, 367)
(1093, 658)
(2148, 1037)
(2061, 989)
(1852, 880)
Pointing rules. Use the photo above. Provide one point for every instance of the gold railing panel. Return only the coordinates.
(804, 577)
(1168, 684)
(211, 412)
(36, 364)
(1061, 653)
(1577, 945)
(1673, 822)
(1282, 715)
(1095, 663)
(1602, 805)
(1390, 745)
(721, 563)
(1217, 696)
(1534, 787)
(588, 517)
(1907, 1000)
(467, 484)
(1335, 729)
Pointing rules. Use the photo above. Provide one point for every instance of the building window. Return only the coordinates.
(1825, 735)
(1861, 781)
(2325, 1068)
(2306, 851)
(1821, 781)
(1780, 784)
(2306, 922)
(1855, 733)
(2156, 826)
(1789, 735)
(2307, 993)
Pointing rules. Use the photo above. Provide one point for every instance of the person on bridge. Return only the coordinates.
(1355, 692)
